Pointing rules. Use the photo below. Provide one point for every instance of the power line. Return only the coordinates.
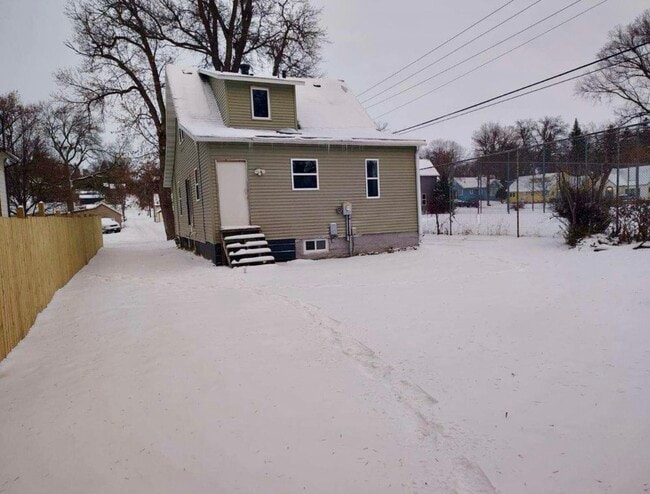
(534, 38)
(513, 97)
(437, 47)
(516, 14)
(523, 88)
(557, 12)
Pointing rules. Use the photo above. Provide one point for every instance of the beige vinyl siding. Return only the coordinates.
(219, 89)
(285, 213)
(187, 159)
(238, 107)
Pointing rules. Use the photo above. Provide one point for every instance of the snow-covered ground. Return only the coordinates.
(495, 220)
(473, 364)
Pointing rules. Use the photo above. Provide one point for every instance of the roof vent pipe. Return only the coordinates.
(245, 68)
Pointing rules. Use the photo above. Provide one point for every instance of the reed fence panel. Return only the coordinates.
(39, 255)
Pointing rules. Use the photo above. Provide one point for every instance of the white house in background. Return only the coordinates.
(6, 159)
(627, 182)
(429, 176)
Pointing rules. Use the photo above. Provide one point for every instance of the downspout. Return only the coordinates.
(418, 198)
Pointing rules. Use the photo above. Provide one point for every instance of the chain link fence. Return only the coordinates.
(539, 190)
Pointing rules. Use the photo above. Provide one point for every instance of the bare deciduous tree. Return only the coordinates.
(73, 136)
(121, 73)
(224, 32)
(626, 77)
(294, 37)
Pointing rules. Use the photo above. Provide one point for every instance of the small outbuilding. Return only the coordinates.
(101, 209)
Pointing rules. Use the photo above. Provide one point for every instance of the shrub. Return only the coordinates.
(634, 221)
(581, 207)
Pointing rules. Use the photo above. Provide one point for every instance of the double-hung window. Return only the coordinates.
(260, 103)
(372, 179)
(304, 174)
(197, 184)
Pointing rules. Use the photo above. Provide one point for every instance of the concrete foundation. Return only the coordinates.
(363, 244)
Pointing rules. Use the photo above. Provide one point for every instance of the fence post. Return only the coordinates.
(508, 182)
(517, 208)
(544, 177)
(618, 182)
(20, 212)
(41, 208)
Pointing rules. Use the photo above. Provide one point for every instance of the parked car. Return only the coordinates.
(109, 225)
(472, 203)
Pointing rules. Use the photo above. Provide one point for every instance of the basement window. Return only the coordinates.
(315, 246)
(372, 179)
(304, 174)
(260, 104)
(197, 184)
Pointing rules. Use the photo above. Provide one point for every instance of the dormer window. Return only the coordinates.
(260, 103)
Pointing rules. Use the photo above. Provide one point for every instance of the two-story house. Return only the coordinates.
(265, 169)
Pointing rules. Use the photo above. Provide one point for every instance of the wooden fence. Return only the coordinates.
(39, 255)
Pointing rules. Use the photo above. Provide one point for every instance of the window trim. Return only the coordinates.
(377, 178)
(293, 187)
(197, 185)
(181, 135)
(268, 102)
(315, 250)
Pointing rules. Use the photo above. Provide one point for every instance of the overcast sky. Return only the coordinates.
(372, 38)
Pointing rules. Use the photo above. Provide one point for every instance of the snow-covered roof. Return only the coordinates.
(328, 113)
(627, 176)
(232, 76)
(528, 183)
(95, 206)
(427, 169)
(473, 182)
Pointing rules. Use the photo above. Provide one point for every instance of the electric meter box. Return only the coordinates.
(346, 208)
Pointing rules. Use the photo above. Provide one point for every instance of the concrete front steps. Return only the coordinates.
(246, 246)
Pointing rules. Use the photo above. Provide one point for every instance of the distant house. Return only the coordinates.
(429, 176)
(101, 209)
(627, 179)
(470, 189)
(6, 159)
(264, 169)
(532, 188)
(89, 197)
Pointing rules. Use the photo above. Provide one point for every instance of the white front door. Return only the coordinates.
(233, 193)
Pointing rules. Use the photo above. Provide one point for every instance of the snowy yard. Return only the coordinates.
(473, 364)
